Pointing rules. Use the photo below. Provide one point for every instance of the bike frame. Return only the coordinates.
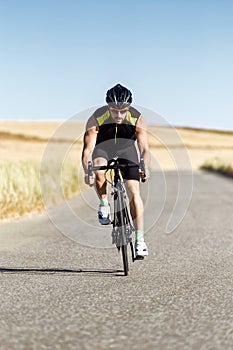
(123, 229)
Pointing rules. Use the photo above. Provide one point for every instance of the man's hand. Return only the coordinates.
(144, 174)
(143, 171)
(89, 180)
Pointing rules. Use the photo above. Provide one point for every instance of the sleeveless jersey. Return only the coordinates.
(121, 135)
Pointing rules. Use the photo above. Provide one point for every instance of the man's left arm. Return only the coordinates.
(143, 144)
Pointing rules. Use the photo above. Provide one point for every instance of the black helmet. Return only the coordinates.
(119, 96)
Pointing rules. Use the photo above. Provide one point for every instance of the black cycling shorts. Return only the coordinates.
(128, 155)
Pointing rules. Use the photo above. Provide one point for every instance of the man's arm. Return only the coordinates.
(89, 142)
(142, 140)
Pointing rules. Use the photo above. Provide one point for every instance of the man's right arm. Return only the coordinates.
(89, 142)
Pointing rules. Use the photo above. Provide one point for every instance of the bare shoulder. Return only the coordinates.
(141, 124)
(92, 125)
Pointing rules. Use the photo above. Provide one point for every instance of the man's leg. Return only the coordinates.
(100, 181)
(136, 210)
(136, 204)
(101, 190)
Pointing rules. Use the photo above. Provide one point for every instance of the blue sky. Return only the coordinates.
(58, 57)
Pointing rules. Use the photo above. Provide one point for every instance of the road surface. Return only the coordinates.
(60, 291)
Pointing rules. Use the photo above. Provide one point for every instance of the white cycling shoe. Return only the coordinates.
(141, 250)
(104, 214)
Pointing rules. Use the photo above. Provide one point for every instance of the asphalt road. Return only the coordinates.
(63, 293)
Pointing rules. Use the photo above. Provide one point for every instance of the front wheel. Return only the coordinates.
(125, 259)
(122, 222)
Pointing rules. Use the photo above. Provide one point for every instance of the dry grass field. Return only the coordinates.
(28, 141)
(200, 145)
(28, 155)
(24, 146)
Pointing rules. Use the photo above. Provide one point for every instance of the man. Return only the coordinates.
(112, 131)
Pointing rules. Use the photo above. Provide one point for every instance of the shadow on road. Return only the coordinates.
(23, 270)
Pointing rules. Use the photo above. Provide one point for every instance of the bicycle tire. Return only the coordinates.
(125, 259)
(122, 220)
(132, 251)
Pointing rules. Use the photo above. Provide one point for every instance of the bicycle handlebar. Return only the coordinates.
(113, 164)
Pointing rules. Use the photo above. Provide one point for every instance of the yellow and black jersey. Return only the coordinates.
(122, 135)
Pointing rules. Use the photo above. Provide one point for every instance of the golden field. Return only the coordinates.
(35, 169)
(33, 151)
(28, 141)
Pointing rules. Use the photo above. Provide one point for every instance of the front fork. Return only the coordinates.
(117, 224)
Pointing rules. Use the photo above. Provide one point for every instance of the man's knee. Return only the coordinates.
(100, 174)
(99, 161)
(133, 188)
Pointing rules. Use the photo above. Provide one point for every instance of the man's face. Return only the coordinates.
(118, 115)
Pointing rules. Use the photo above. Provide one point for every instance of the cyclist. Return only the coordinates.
(112, 131)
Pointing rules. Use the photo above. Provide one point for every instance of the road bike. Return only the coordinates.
(122, 227)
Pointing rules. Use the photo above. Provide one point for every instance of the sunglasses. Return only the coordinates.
(116, 110)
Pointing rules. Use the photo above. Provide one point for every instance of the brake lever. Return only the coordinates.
(89, 171)
(143, 169)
